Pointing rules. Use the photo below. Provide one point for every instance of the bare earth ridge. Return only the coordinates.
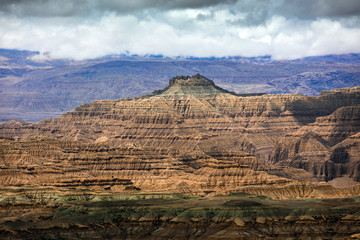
(195, 135)
(195, 139)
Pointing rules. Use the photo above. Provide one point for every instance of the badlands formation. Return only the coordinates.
(191, 161)
(195, 138)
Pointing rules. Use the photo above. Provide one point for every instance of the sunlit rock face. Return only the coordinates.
(192, 137)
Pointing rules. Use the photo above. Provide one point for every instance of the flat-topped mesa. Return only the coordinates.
(194, 80)
(195, 85)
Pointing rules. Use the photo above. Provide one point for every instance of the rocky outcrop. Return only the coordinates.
(192, 113)
(189, 161)
(196, 85)
(192, 137)
(328, 148)
(68, 164)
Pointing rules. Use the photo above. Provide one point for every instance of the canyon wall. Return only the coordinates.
(190, 137)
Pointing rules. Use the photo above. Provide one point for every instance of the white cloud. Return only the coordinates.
(202, 32)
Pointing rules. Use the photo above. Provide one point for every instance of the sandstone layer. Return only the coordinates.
(192, 137)
(329, 148)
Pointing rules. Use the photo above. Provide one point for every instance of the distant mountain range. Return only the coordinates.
(32, 90)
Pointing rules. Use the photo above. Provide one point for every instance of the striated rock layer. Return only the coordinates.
(64, 163)
(329, 148)
(192, 137)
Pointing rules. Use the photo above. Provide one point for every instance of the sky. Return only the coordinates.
(84, 29)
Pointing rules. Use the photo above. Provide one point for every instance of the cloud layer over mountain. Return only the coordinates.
(92, 28)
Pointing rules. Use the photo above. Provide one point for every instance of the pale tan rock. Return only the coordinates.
(261, 220)
(239, 222)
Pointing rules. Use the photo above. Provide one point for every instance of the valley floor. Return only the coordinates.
(43, 213)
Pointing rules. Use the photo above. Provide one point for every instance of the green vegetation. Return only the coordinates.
(142, 215)
(122, 206)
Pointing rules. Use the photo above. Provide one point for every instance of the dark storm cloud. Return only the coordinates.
(160, 4)
(42, 8)
(258, 11)
(321, 8)
(63, 8)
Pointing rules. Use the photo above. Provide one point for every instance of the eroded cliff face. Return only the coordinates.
(328, 148)
(193, 137)
(63, 163)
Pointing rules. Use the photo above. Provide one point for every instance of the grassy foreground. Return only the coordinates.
(45, 214)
